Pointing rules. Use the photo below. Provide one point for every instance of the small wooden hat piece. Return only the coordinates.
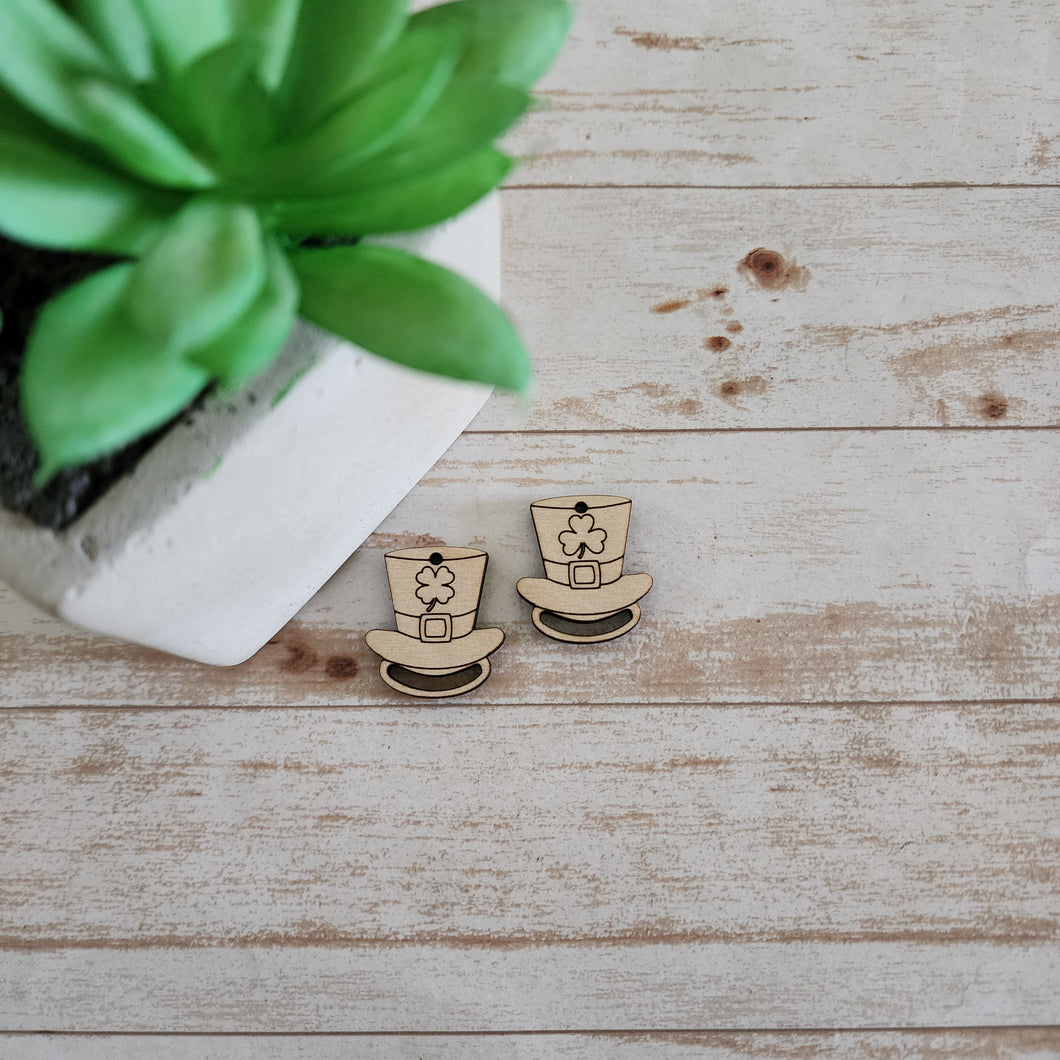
(584, 598)
(435, 650)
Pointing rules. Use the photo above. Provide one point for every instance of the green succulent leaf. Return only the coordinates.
(242, 351)
(411, 311)
(43, 55)
(200, 276)
(52, 199)
(333, 49)
(469, 115)
(512, 41)
(132, 134)
(118, 26)
(184, 29)
(410, 79)
(225, 102)
(416, 203)
(272, 23)
(92, 382)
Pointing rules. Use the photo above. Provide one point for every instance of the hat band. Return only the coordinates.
(435, 626)
(584, 573)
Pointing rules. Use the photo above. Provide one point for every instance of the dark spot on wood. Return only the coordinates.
(733, 388)
(392, 542)
(772, 270)
(661, 41)
(734, 327)
(717, 342)
(993, 406)
(719, 292)
(341, 667)
(671, 306)
(299, 659)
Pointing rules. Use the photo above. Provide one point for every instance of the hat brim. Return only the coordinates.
(551, 596)
(435, 685)
(586, 631)
(433, 656)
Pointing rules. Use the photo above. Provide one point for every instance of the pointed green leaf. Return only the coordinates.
(53, 199)
(412, 312)
(90, 381)
(409, 81)
(185, 29)
(225, 103)
(242, 351)
(200, 276)
(127, 130)
(43, 54)
(512, 41)
(416, 203)
(469, 115)
(335, 43)
(272, 23)
(118, 26)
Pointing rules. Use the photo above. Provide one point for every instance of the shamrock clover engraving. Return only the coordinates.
(435, 586)
(582, 536)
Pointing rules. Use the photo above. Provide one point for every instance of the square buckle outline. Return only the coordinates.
(432, 617)
(585, 564)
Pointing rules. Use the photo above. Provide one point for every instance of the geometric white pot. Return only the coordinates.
(234, 520)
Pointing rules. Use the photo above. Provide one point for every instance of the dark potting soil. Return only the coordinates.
(29, 277)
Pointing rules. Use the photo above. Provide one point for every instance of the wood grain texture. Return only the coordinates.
(979, 1044)
(600, 986)
(470, 827)
(816, 566)
(656, 309)
(470, 870)
(792, 92)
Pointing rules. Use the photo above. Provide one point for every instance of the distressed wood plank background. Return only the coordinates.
(791, 92)
(980, 1044)
(648, 308)
(817, 787)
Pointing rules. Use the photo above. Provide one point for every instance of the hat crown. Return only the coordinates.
(582, 528)
(438, 580)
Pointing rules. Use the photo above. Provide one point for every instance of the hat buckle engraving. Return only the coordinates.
(436, 627)
(584, 574)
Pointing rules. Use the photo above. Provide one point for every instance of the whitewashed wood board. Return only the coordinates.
(797, 92)
(892, 308)
(600, 986)
(399, 989)
(517, 828)
(979, 1044)
(809, 566)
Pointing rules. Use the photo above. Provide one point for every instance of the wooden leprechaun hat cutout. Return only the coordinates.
(584, 598)
(435, 650)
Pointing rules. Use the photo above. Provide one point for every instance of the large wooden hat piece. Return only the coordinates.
(584, 598)
(435, 650)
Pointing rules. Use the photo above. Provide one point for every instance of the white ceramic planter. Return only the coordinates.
(232, 522)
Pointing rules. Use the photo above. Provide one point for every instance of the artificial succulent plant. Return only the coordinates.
(231, 154)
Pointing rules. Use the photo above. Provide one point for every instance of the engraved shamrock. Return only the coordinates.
(436, 586)
(582, 536)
